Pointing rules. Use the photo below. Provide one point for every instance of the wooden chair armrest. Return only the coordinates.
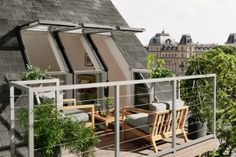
(90, 106)
(133, 109)
(70, 100)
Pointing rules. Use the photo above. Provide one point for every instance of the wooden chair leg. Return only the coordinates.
(123, 132)
(185, 136)
(163, 135)
(154, 145)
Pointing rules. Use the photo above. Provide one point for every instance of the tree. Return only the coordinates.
(220, 60)
(156, 67)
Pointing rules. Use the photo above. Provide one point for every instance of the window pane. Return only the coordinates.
(39, 50)
(89, 95)
(112, 56)
(76, 49)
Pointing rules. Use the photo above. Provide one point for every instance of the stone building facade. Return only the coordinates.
(175, 53)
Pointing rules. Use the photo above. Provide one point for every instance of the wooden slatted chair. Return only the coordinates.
(75, 110)
(153, 126)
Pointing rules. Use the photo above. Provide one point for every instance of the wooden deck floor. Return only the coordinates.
(140, 147)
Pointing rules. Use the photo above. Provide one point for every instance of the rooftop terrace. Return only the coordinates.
(110, 129)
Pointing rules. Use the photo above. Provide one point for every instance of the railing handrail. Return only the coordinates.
(57, 88)
(105, 84)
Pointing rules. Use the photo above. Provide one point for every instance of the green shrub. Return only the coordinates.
(78, 138)
(156, 66)
(220, 60)
(34, 73)
(52, 129)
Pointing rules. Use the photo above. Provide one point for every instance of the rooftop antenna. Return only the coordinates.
(163, 30)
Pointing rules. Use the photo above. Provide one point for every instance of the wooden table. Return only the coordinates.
(106, 120)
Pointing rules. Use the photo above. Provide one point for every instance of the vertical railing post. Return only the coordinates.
(214, 106)
(178, 87)
(174, 116)
(12, 115)
(31, 123)
(151, 91)
(58, 99)
(117, 121)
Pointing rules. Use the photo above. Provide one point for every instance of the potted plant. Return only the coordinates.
(199, 111)
(108, 106)
(53, 130)
(105, 109)
(34, 73)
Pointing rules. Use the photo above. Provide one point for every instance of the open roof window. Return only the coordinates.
(78, 51)
(42, 51)
(111, 56)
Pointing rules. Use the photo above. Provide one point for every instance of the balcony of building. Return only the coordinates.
(154, 115)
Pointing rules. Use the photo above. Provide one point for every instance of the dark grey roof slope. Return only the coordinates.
(130, 46)
(15, 13)
(18, 12)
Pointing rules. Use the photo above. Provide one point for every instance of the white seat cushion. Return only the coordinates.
(139, 121)
(179, 103)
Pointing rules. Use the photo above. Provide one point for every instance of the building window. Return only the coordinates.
(78, 52)
(154, 41)
(168, 41)
(88, 61)
(41, 51)
(112, 56)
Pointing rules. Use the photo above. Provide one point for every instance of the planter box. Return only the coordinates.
(197, 130)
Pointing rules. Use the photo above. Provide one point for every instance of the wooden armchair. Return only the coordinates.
(78, 112)
(153, 126)
(75, 110)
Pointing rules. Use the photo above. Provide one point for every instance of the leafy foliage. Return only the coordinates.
(48, 132)
(105, 109)
(220, 60)
(194, 93)
(78, 138)
(157, 67)
(51, 130)
(108, 101)
(34, 73)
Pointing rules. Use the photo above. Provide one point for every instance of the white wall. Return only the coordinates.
(118, 68)
(75, 49)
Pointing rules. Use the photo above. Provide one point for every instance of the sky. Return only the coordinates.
(208, 21)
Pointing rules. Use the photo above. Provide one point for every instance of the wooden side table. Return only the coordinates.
(106, 120)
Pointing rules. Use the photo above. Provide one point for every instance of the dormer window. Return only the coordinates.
(168, 41)
(42, 51)
(189, 41)
(154, 41)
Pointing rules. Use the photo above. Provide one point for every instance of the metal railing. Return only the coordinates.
(53, 85)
